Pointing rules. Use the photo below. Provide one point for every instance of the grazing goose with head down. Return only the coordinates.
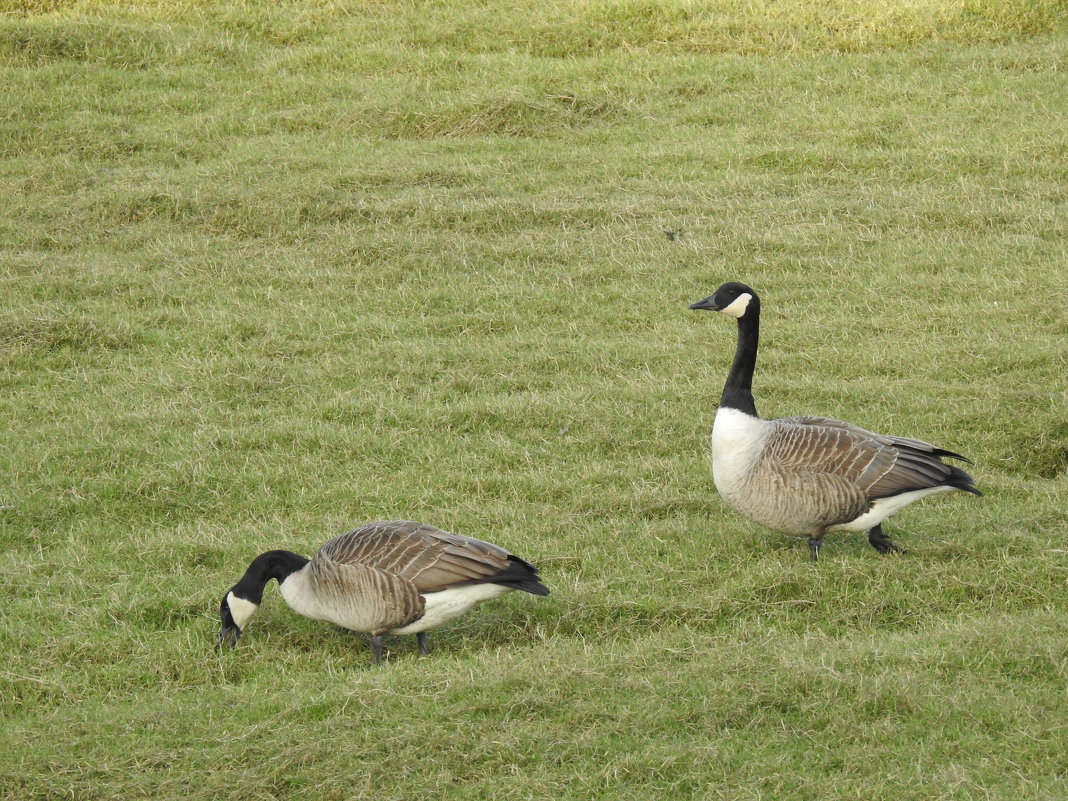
(805, 476)
(389, 577)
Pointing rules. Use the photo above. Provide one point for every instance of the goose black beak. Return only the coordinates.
(227, 637)
(708, 304)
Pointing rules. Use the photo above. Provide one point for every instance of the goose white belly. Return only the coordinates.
(443, 606)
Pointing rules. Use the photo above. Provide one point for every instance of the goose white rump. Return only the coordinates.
(446, 605)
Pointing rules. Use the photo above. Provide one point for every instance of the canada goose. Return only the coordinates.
(805, 476)
(389, 577)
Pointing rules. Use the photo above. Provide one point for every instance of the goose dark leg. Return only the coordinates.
(881, 542)
(420, 638)
(376, 648)
(814, 544)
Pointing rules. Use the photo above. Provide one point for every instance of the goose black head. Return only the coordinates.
(234, 613)
(244, 598)
(733, 298)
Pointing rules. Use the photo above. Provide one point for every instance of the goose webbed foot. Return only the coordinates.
(881, 542)
(420, 638)
(814, 544)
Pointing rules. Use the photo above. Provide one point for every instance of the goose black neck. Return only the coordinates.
(276, 565)
(738, 390)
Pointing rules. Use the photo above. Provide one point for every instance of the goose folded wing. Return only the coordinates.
(918, 445)
(451, 564)
(824, 445)
(388, 544)
(912, 470)
(426, 556)
(868, 464)
(880, 465)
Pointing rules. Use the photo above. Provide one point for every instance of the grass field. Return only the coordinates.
(269, 270)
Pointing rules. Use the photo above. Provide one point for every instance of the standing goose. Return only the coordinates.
(389, 577)
(805, 476)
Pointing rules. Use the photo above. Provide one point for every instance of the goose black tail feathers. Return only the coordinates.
(961, 480)
(519, 575)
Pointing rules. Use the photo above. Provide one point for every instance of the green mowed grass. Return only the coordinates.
(271, 270)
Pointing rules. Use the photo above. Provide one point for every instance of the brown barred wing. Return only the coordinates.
(876, 464)
(810, 445)
(431, 559)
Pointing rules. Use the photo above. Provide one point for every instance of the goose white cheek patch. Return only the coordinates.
(738, 306)
(240, 609)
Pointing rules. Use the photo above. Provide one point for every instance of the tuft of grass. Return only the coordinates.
(270, 270)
